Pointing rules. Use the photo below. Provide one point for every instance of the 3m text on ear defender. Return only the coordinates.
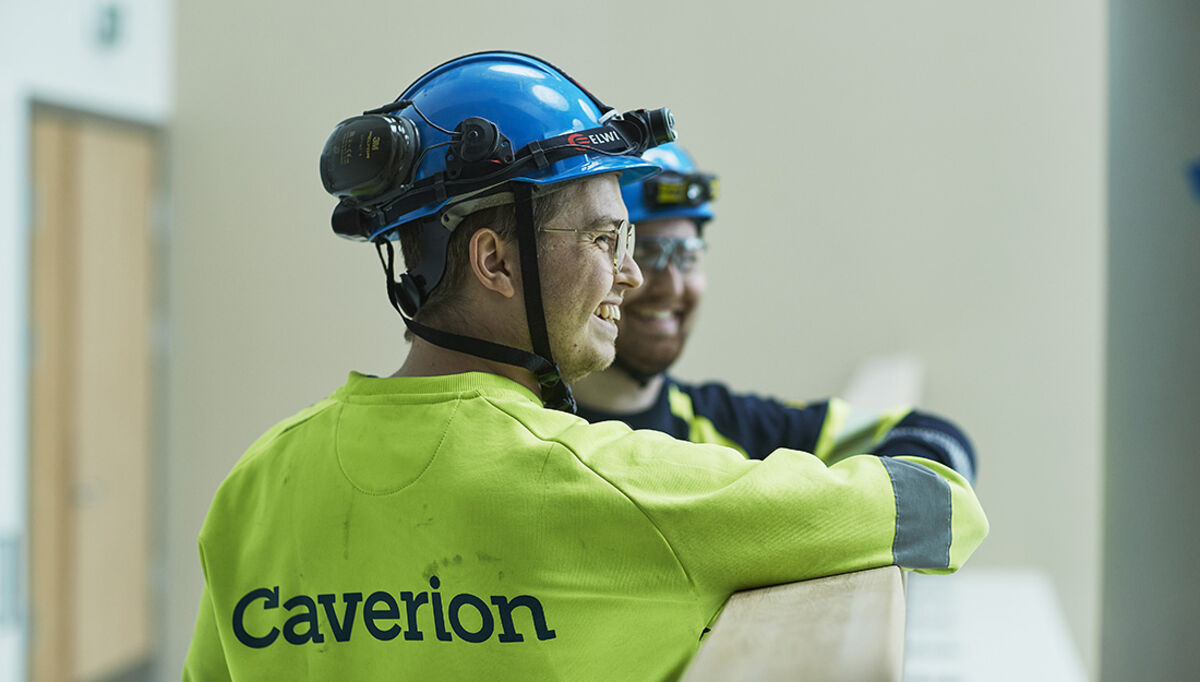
(365, 156)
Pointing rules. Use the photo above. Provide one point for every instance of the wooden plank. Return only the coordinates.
(844, 627)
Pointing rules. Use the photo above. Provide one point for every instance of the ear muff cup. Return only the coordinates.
(367, 156)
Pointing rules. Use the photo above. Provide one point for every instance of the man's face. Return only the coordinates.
(657, 318)
(579, 286)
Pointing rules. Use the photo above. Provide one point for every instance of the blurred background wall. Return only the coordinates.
(926, 178)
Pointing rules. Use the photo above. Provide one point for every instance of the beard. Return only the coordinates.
(650, 358)
(576, 365)
(578, 355)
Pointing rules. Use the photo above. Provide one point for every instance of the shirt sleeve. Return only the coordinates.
(738, 524)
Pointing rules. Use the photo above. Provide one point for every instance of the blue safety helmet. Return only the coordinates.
(510, 102)
(680, 191)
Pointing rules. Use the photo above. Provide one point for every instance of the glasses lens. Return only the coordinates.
(625, 239)
(651, 254)
(655, 253)
(687, 253)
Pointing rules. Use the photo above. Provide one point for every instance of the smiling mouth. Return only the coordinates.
(609, 311)
(657, 314)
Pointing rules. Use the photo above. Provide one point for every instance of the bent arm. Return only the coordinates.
(829, 429)
(738, 524)
(902, 431)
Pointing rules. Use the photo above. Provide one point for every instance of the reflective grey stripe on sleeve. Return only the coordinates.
(923, 515)
(959, 460)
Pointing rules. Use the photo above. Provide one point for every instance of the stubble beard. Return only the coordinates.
(578, 365)
(655, 362)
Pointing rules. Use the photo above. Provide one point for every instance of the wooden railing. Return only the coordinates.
(844, 627)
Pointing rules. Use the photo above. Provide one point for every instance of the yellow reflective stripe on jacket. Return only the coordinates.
(888, 421)
(836, 411)
(700, 429)
(847, 433)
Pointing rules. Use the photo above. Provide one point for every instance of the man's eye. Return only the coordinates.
(609, 241)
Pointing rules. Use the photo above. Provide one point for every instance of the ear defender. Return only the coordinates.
(367, 156)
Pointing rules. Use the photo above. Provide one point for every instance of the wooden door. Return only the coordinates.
(90, 403)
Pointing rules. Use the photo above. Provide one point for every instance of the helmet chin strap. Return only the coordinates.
(554, 392)
(643, 379)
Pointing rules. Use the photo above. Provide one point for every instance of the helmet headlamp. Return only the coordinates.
(670, 189)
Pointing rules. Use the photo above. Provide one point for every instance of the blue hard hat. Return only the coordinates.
(528, 100)
(680, 191)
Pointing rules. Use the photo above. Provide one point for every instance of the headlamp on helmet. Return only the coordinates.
(670, 189)
(681, 190)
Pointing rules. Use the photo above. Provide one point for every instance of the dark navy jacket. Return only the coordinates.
(756, 426)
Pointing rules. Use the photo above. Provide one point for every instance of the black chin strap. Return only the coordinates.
(555, 394)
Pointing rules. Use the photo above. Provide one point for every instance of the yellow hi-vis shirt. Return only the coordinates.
(450, 527)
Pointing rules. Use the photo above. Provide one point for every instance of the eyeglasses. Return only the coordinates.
(619, 240)
(655, 253)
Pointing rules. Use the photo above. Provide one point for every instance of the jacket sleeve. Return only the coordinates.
(737, 524)
(830, 429)
(925, 435)
(206, 656)
(902, 431)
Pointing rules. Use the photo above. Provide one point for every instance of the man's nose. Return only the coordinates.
(629, 275)
(668, 279)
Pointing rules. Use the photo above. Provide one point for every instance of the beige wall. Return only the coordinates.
(924, 177)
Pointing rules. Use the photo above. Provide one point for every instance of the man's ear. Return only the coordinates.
(493, 262)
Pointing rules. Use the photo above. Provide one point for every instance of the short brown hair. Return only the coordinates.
(501, 219)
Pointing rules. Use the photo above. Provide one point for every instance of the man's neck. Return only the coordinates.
(427, 360)
(616, 392)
